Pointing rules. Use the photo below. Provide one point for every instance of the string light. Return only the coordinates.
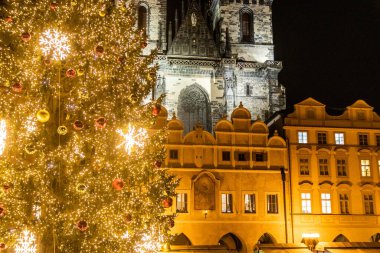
(3, 135)
(55, 44)
(26, 243)
(132, 138)
(148, 244)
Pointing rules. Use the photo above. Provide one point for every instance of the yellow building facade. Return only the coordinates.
(335, 172)
(231, 187)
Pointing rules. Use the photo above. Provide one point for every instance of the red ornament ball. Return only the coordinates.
(78, 125)
(156, 109)
(26, 36)
(100, 122)
(171, 222)
(144, 44)
(82, 225)
(99, 50)
(17, 87)
(158, 164)
(6, 187)
(118, 184)
(53, 6)
(128, 218)
(8, 19)
(3, 246)
(167, 202)
(71, 73)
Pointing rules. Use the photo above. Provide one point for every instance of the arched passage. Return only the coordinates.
(194, 107)
(340, 238)
(231, 242)
(267, 238)
(375, 237)
(180, 239)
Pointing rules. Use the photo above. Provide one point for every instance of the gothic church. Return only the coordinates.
(213, 55)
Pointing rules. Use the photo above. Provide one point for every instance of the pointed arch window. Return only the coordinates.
(246, 24)
(142, 20)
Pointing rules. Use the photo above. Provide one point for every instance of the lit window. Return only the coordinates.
(226, 156)
(341, 167)
(227, 203)
(249, 203)
(368, 204)
(323, 167)
(182, 203)
(173, 154)
(343, 203)
(339, 138)
(306, 202)
(272, 203)
(304, 167)
(302, 137)
(365, 168)
(322, 138)
(363, 139)
(326, 202)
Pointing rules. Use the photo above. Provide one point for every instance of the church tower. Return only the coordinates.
(213, 55)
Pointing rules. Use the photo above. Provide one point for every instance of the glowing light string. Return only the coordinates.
(132, 138)
(26, 243)
(3, 135)
(55, 44)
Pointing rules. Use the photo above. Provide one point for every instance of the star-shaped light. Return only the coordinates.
(3, 135)
(132, 138)
(54, 44)
(26, 243)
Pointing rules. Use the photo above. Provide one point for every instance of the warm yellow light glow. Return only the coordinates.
(26, 243)
(3, 135)
(54, 44)
(132, 138)
(310, 235)
(148, 244)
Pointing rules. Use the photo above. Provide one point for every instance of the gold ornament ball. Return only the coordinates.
(7, 83)
(81, 188)
(43, 116)
(80, 72)
(73, 3)
(62, 130)
(102, 13)
(30, 149)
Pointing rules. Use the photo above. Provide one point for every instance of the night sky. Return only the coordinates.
(330, 50)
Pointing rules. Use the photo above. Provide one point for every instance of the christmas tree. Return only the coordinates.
(79, 159)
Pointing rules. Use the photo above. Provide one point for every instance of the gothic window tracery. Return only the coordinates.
(246, 25)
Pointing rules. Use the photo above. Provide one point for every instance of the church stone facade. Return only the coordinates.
(212, 55)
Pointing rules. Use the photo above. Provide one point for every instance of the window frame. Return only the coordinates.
(344, 202)
(225, 153)
(363, 139)
(326, 203)
(139, 25)
(324, 138)
(307, 201)
(171, 154)
(246, 38)
(339, 138)
(365, 173)
(302, 137)
(231, 194)
(342, 165)
(325, 166)
(244, 193)
(267, 207)
(186, 194)
(300, 166)
(371, 202)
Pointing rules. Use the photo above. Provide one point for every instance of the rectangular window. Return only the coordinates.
(173, 154)
(343, 203)
(249, 203)
(341, 167)
(272, 203)
(365, 168)
(260, 157)
(377, 139)
(227, 203)
(241, 157)
(182, 203)
(302, 137)
(226, 155)
(304, 167)
(363, 139)
(322, 138)
(323, 167)
(306, 202)
(326, 202)
(339, 138)
(368, 204)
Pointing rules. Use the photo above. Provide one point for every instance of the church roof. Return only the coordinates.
(194, 37)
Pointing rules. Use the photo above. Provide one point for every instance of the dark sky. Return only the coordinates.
(330, 50)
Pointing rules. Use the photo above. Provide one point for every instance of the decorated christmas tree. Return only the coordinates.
(79, 160)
